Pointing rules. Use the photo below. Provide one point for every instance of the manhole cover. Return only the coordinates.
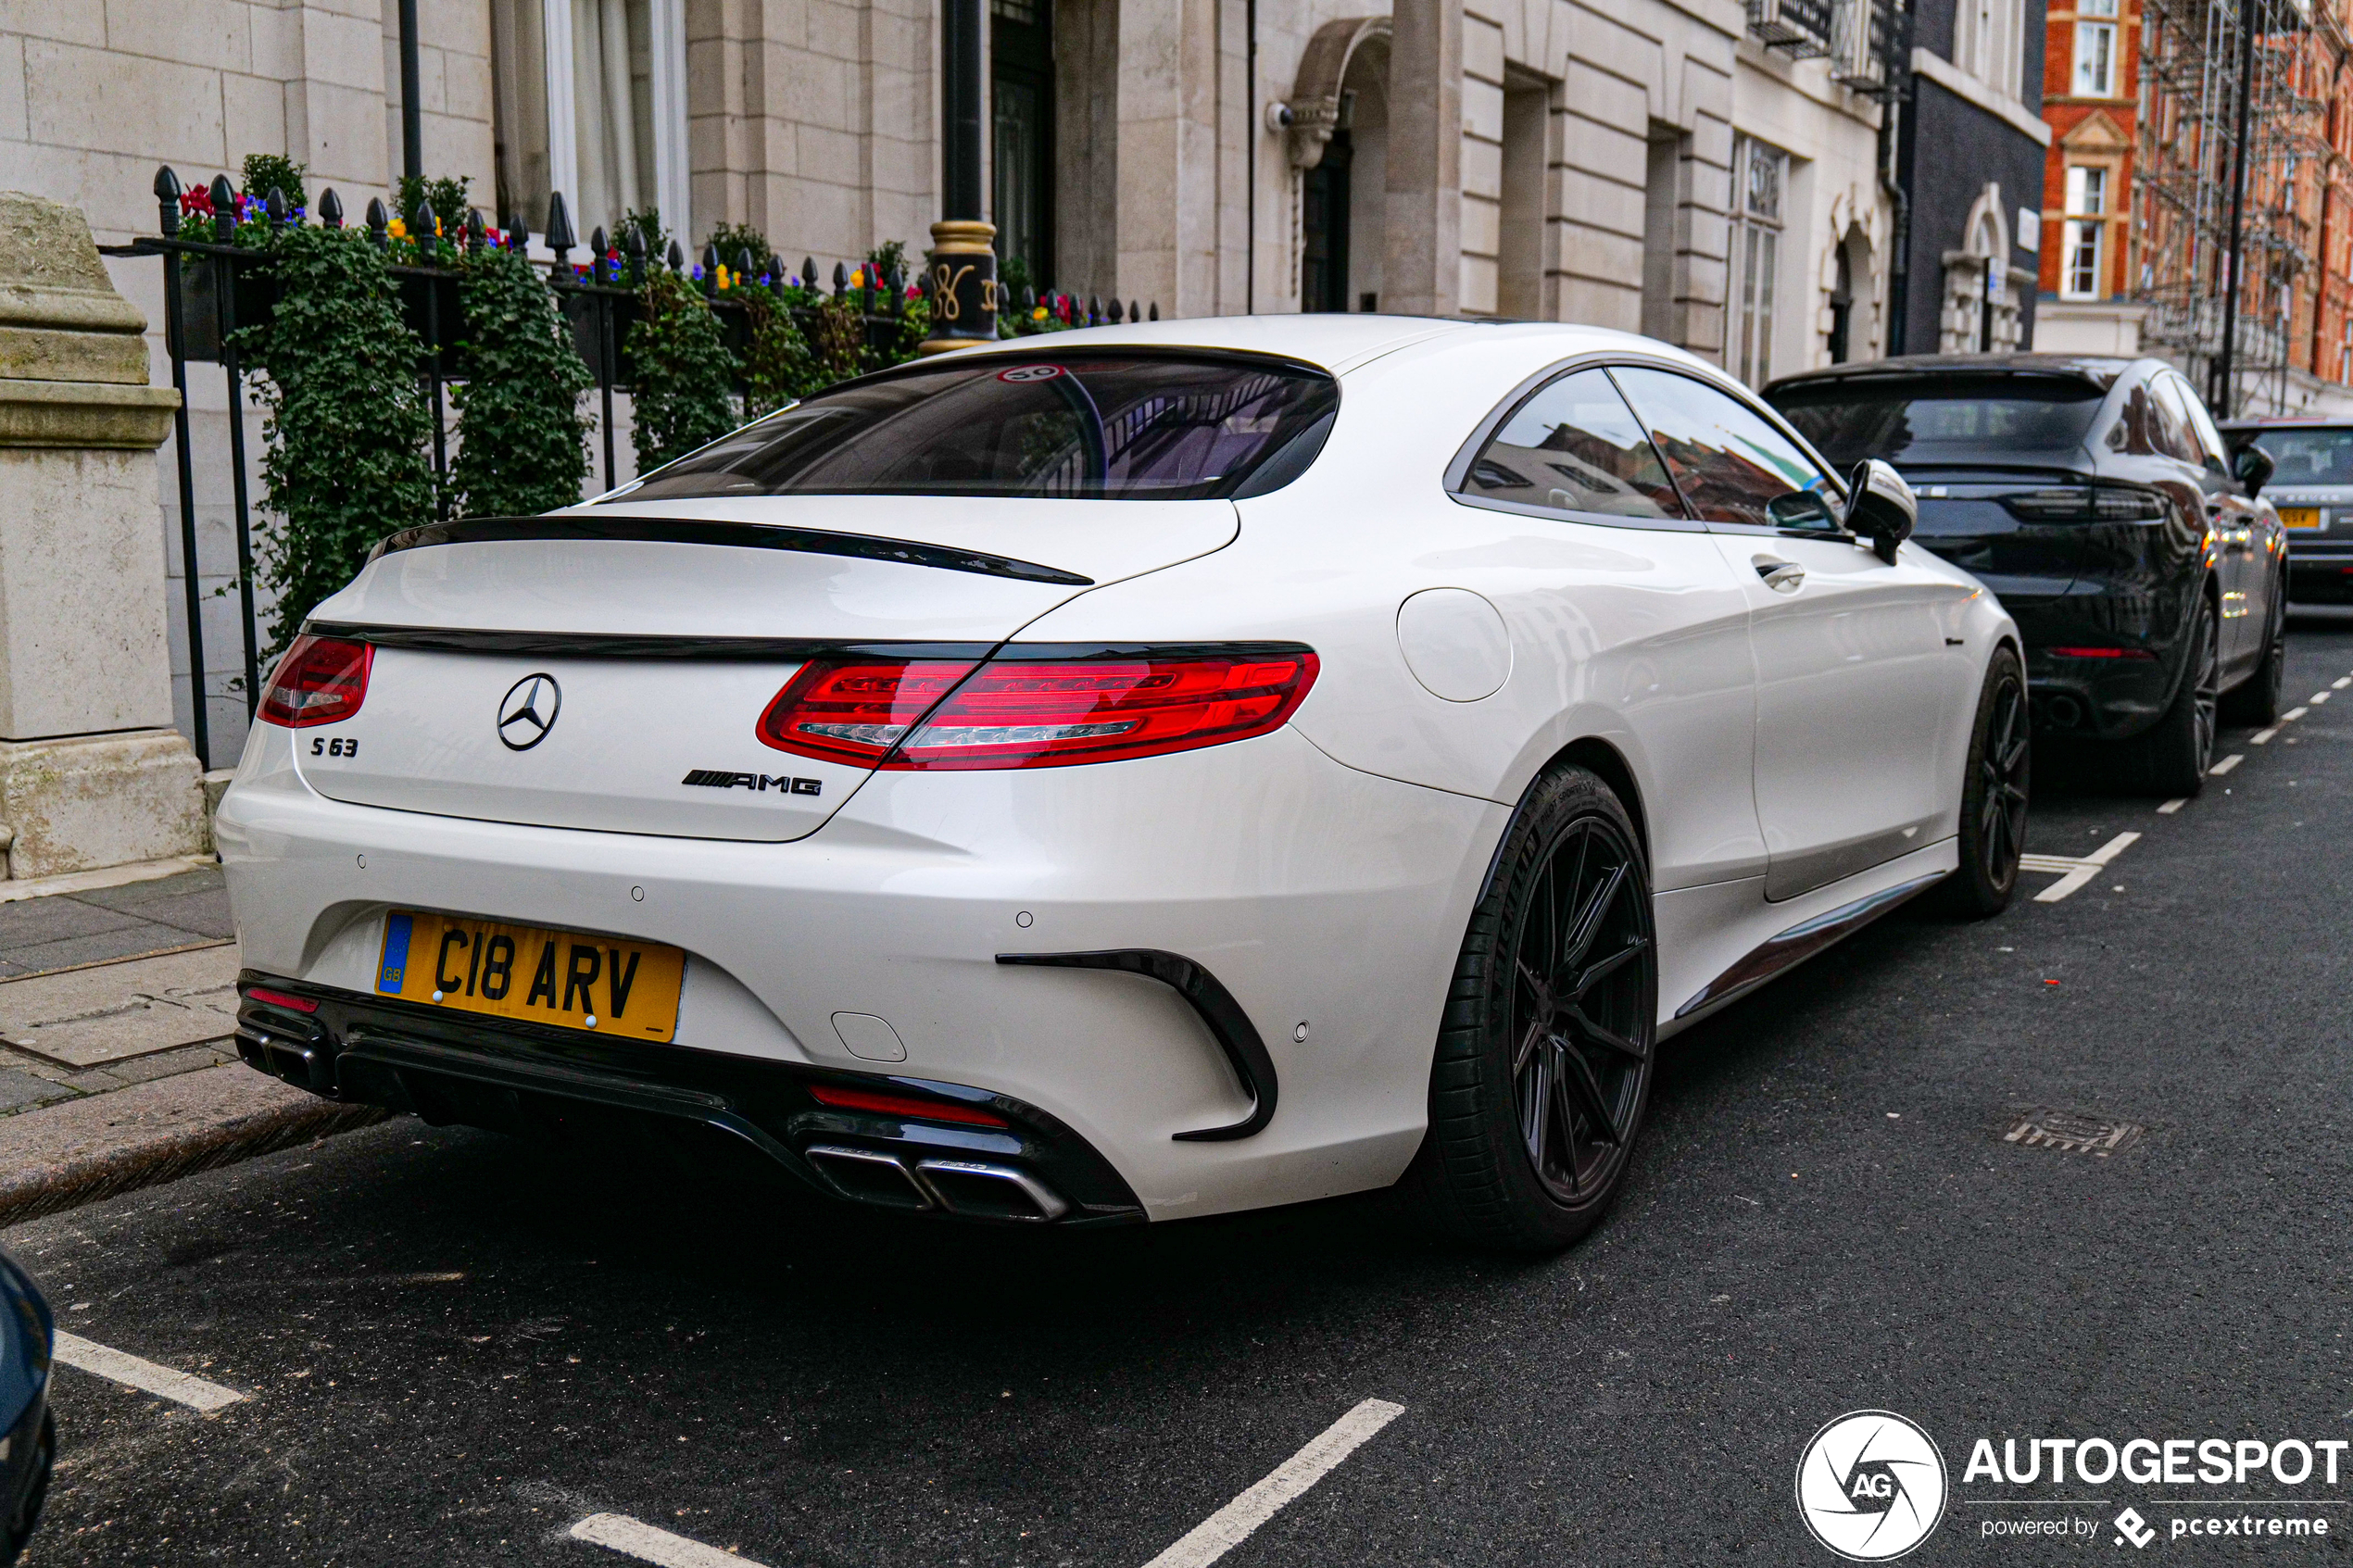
(2073, 1132)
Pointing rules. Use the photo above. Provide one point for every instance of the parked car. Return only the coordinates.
(28, 1430)
(2312, 487)
(2098, 499)
(1148, 773)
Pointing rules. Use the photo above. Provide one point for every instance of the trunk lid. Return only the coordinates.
(1964, 517)
(612, 680)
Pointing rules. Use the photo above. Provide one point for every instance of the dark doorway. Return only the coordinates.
(1322, 252)
(1841, 308)
(1021, 134)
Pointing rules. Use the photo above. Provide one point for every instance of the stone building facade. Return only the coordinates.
(1702, 170)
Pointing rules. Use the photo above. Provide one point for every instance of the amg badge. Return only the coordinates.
(758, 783)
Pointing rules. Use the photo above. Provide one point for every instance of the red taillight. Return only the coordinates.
(901, 1105)
(321, 680)
(280, 999)
(2101, 653)
(1036, 714)
(855, 710)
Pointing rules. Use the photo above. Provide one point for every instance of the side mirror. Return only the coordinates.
(2253, 468)
(1880, 507)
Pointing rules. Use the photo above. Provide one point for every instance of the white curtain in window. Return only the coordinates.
(610, 42)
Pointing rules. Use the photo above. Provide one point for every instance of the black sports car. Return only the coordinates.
(2314, 490)
(28, 1432)
(2100, 501)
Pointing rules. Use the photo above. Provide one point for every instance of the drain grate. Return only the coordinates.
(2073, 1132)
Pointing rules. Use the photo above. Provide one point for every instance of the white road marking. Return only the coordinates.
(118, 1366)
(618, 1532)
(1230, 1525)
(2294, 713)
(2341, 682)
(2080, 872)
(2319, 697)
(2262, 737)
(2170, 806)
(2224, 766)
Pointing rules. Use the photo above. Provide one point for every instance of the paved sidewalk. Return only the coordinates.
(117, 1069)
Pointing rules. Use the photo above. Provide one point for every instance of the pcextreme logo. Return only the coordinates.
(1870, 1486)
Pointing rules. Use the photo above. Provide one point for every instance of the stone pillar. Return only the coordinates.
(1422, 270)
(90, 772)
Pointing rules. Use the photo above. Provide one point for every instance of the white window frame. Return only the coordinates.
(671, 186)
(1991, 42)
(1754, 292)
(2095, 44)
(2087, 218)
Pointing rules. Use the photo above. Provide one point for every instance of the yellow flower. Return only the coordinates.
(724, 280)
(1039, 314)
(399, 231)
(858, 279)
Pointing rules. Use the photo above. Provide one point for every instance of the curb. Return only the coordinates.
(144, 1158)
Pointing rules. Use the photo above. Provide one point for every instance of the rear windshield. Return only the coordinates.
(1940, 418)
(1122, 428)
(2309, 457)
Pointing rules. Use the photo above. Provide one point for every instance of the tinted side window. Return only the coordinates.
(2169, 422)
(1730, 463)
(1574, 447)
(2202, 432)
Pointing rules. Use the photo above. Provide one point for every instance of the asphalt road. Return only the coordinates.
(456, 1346)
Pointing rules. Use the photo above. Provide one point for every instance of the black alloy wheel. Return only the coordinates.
(2172, 757)
(1580, 1059)
(1545, 1055)
(1993, 795)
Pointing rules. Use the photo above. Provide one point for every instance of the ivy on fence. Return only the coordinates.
(346, 423)
(520, 433)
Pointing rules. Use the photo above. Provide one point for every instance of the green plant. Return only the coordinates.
(265, 173)
(447, 199)
(683, 374)
(346, 424)
(733, 239)
(780, 367)
(519, 428)
(646, 225)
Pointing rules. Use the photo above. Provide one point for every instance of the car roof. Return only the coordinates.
(2101, 371)
(2289, 422)
(1338, 343)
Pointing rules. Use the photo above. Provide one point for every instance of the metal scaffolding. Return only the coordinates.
(2203, 77)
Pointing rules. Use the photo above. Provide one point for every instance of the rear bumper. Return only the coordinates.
(1328, 902)
(2320, 571)
(2100, 698)
(451, 1068)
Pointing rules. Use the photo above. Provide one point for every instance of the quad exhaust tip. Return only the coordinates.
(970, 1189)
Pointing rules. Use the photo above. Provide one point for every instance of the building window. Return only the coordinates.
(2085, 243)
(589, 98)
(2095, 60)
(1021, 140)
(1759, 173)
(1990, 46)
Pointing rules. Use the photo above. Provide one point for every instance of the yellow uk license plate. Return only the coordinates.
(608, 985)
(2299, 517)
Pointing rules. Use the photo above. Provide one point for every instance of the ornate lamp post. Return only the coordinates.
(963, 271)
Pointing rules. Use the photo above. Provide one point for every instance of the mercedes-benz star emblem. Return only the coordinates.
(528, 711)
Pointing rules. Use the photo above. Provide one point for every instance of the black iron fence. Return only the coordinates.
(213, 286)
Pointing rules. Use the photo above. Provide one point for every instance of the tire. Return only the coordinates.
(2172, 757)
(2256, 702)
(1994, 797)
(16, 1531)
(1546, 1053)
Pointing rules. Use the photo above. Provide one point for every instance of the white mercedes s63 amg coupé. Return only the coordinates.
(1133, 774)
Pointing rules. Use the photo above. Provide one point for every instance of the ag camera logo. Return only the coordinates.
(1870, 1486)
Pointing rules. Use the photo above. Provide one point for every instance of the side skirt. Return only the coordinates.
(1794, 944)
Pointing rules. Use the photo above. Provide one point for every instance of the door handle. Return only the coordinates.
(1782, 576)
